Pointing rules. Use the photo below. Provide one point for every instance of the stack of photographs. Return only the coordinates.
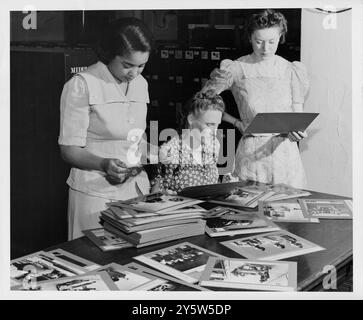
(327, 208)
(154, 218)
(272, 246)
(250, 274)
(184, 261)
(283, 211)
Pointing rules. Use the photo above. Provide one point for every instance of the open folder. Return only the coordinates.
(280, 122)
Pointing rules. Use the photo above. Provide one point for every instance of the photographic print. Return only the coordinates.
(41, 266)
(238, 222)
(105, 240)
(88, 282)
(124, 278)
(284, 212)
(158, 202)
(245, 197)
(250, 274)
(74, 259)
(184, 261)
(327, 208)
(162, 282)
(274, 246)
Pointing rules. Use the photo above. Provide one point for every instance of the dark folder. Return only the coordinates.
(210, 190)
(280, 122)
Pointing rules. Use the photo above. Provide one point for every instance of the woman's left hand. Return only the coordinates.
(297, 136)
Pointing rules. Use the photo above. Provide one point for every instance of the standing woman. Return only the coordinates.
(102, 119)
(265, 82)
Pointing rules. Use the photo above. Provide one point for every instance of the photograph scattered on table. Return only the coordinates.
(284, 212)
(249, 274)
(41, 266)
(274, 246)
(328, 208)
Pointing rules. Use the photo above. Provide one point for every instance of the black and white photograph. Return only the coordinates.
(239, 223)
(126, 279)
(132, 131)
(105, 240)
(272, 246)
(163, 282)
(249, 274)
(41, 266)
(283, 211)
(184, 261)
(327, 208)
(88, 282)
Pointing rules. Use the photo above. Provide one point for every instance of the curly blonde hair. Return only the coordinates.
(201, 101)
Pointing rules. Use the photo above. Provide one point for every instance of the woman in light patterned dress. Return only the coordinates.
(265, 82)
(190, 158)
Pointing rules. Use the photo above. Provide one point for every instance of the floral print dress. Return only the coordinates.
(181, 166)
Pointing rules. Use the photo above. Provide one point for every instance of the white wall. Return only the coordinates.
(327, 153)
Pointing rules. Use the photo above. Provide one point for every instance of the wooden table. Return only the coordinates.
(334, 235)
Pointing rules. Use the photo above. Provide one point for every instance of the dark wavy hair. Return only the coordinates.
(123, 36)
(267, 18)
(201, 101)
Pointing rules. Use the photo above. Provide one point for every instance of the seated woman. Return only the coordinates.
(190, 158)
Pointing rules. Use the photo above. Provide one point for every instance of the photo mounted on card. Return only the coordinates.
(272, 246)
(105, 240)
(163, 282)
(74, 259)
(88, 282)
(328, 208)
(239, 222)
(250, 274)
(158, 202)
(184, 261)
(284, 211)
(41, 266)
(126, 279)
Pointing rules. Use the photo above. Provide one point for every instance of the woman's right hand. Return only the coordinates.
(116, 170)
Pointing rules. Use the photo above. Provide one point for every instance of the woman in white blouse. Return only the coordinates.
(102, 119)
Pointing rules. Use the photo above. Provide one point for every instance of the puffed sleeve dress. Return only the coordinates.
(97, 115)
(259, 87)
